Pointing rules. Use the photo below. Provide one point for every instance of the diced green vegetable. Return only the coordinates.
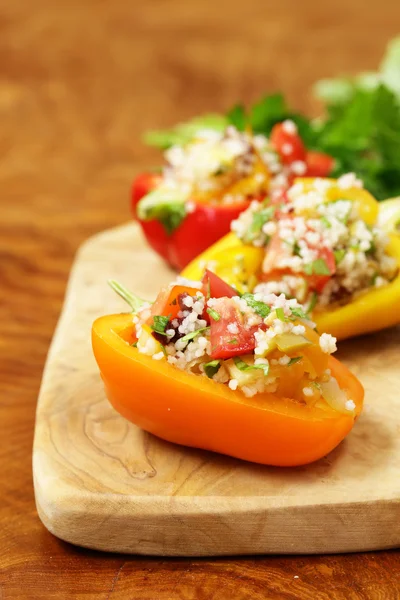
(212, 367)
(290, 342)
(280, 314)
(213, 314)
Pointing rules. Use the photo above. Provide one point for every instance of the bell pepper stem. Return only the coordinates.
(134, 301)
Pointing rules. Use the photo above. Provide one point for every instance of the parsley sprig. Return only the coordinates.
(360, 126)
(243, 366)
(259, 307)
(134, 301)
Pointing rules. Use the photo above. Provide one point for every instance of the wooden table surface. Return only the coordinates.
(79, 81)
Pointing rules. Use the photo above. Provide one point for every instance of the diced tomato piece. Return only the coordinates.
(225, 344)
(167, 300)
(319, 164)
(318, 282)
(288, 144)
(275, 250)
(215, 287)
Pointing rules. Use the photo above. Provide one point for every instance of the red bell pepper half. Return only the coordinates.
(199, 229)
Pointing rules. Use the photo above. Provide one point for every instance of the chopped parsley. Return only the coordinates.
(374, 278)
(211, 368)
(160, 324)
(339, 255)
(259, 219)
(313, 302)
(296, 248)
(213, 314)
(190, 336)
(134, 345)
(326, 222)
(297, 311)
(317, 267)
(243, 366)
(259, 307)
(372, 249)
(294, 360)
(233, 341)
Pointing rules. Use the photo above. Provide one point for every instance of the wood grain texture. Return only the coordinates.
(79, 82)
(102, 483)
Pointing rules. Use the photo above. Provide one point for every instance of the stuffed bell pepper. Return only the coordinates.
(210, 180)
(320, 243)
(247, 376)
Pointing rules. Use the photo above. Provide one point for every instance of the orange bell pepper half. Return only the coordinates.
(195, 411)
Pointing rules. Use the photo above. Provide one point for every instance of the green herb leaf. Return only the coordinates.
(237, 117)
(268, 111)
(294, 360)
(259, 219)
(182, 133)
(317, 267)
(134, 301)
(313, 302)
(243, 366)
(134, 345)
(280, 314)
(165, 206)
(326, 222)
(211, 368)
(190, 336)
(233, 341)
(259, 307)
(297, 311)
(213, 314)
(320, 267)
(339, 255)
(159, 324)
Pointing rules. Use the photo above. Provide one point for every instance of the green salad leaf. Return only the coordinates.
(360, 127)
(183, 132)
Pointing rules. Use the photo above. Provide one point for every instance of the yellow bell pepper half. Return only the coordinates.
(370, 311)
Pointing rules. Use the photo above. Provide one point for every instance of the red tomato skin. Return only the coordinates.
(216, 287)
(319, 164)
(289, 146)
(318, 282)
(220, 336)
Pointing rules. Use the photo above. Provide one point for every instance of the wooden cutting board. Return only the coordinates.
(102, 483)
